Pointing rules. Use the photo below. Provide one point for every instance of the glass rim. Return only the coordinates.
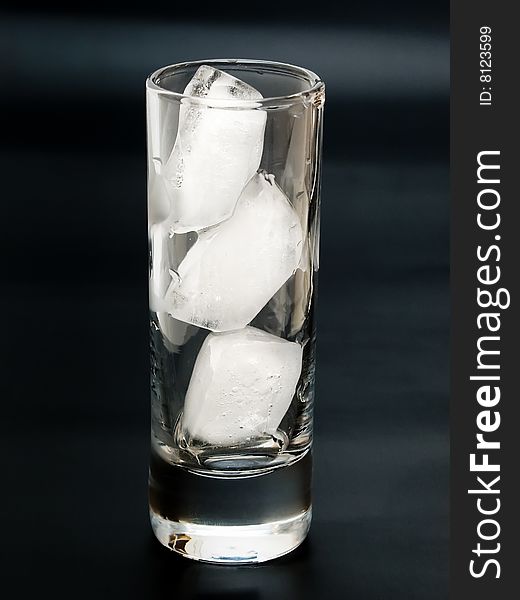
(316, 84)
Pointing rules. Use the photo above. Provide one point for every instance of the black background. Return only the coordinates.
(74, 386)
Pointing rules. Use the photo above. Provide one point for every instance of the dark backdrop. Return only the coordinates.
(74, 301)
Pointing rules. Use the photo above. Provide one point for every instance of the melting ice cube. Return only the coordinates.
(241, 386)
(235, 268)
(217, 149)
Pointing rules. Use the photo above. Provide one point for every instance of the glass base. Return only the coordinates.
(230, 519)
(234, 544)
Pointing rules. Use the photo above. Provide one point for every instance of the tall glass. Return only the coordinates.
(234, 151)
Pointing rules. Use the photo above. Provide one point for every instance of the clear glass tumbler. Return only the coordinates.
(234, 152)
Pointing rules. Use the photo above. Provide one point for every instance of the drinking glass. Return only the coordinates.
(234, 153)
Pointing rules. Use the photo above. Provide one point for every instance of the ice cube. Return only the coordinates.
(242, 385)
(160, 276)
(175, 333)
(217, 149)
(158, 199)
(165, 247)
(235, 268)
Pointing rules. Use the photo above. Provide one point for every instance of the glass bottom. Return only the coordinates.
(230, 519)
(234, 544)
